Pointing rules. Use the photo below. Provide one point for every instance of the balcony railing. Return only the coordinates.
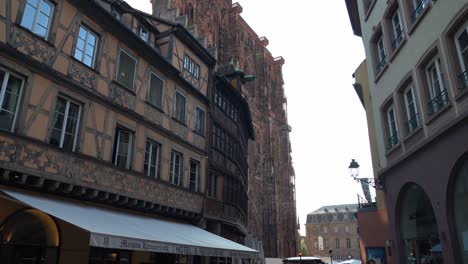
(398, 40)
(438, 102)
(464, 78)
(419, 8)
(363, 203)
(381, 64)
(413, 122)
(393, 140)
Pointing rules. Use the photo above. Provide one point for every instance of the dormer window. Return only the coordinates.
(143, 33)
(116, 13)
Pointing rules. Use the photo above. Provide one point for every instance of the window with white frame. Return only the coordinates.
(418, 7)
(191, 66)
(123, 148)
(194, 184)
(152, 159)
(37, 16)
(126, 69)
(199, 121)
(143, 33)
(437, 91)
(397, 28)
(346, 229)
(411, 108)
(335, 229)
(10, 94)
(381, 55)
(393, 138)
(461, 43)
(220, 260)
(86, 46)
(175, 173)
(155, 93)
(337, 243)
(196, 71)
(325, 230)
(179, 107)
(66, 124)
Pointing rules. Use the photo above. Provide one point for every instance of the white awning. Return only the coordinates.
(118, 230)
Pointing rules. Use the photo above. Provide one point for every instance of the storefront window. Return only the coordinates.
(461, 214)
(108, 256)
(164, 258)
(29, 237)
(418, 228)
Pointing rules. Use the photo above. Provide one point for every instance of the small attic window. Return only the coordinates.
(116, 13)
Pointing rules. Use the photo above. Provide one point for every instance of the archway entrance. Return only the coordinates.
(460, 202)
(29, 237)
(418, 228)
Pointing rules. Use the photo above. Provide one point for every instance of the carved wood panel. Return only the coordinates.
(42, 160)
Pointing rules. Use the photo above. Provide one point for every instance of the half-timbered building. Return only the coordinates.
(103, 137)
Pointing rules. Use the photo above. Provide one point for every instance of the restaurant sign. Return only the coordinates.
(106, 241)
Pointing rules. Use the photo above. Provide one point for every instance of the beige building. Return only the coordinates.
(417, 58)
(335, 228)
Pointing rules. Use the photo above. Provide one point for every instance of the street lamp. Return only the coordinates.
(354, 172)
(300, 257)
(331, 254)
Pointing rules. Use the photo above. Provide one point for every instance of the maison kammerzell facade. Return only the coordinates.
(219, 26)
(112, 122)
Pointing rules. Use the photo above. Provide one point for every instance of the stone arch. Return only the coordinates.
(29, 234)
(417, 227)
(457, 200)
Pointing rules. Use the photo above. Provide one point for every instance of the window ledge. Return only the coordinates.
(180, 122)
(412, 133)
(199, 134)
(117, 83)
(393, 149)
(378, 75)
(86, 66)
(397, 50)
(416, 22)
(436, 115)
(462, 92)
(155, 107)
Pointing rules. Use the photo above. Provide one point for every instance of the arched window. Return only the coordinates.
(418, 228)
(29, 236)
(460, 201)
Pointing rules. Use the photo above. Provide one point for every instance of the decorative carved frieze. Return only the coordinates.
(41, 160)
(32, 45)
(153, 114)
(82, 74)
(122, 96)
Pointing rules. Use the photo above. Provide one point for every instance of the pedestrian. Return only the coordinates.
(371, 261)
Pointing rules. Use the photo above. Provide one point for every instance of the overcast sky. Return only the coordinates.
(328, 121)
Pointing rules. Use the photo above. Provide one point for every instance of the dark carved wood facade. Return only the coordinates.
(219, 25)
(231, 128)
